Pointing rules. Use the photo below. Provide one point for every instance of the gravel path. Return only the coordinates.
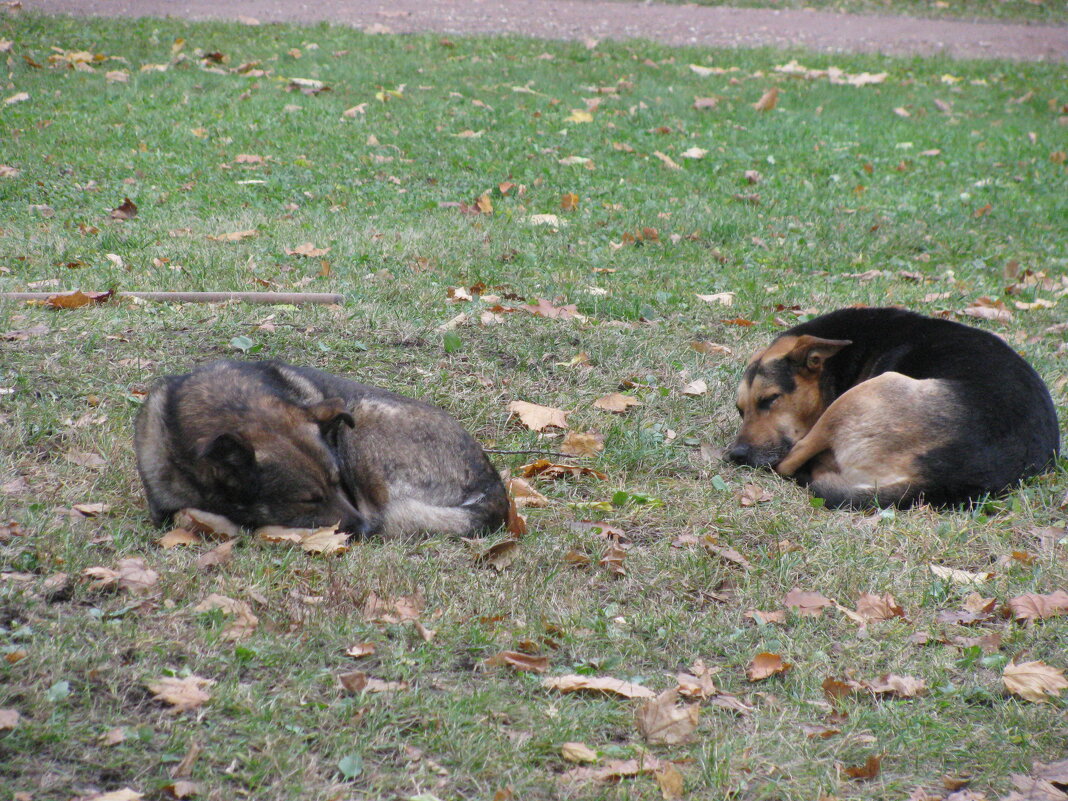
(582, 19)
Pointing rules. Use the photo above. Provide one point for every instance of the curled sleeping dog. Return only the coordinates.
(884, 406)
(266, 443)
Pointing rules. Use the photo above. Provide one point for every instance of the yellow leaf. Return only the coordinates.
(768, 100)
(616, 402)
(181, 694)
(578, 752)
(1034, 681)
(538, 418)
(579, 115)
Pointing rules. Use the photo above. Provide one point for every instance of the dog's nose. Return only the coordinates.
(741, 453)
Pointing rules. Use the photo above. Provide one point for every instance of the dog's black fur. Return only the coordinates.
(994, 424)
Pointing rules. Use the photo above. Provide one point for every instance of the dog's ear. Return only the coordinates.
(330, 414)
(809, 353)
(229, 451)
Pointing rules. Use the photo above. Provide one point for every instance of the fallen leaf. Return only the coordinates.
(181, 789)
(18, 97)
(813, 731)
(577, 116)
(806, 604)
(766, 618)
(613, 560)
(1034, 681)
(395, 610)
(538, 418)
(543, 468)
(711, 348)
(327, 541)
(727, 554)
(544, 308)
(360, 650)
(9, 719)
(604, 684)
(112, 736)
(216, 557)
(768, 100)
(869, 770)
(76, 299)
(424, 633)
(695, 388)
(307, 250)
(1032, 606)
(897, 686)
(615, 769)
(960, 576)
(91, 509)
(499, 556)
(569, 201)
(616, 402)
(206, 523)
(878, 607)
(765, 665)
(126, 211)
(585, 443)
(752, 494)
(671, 783)
(130, 574)
(519, 661)
(986, 309)
(667, 161)
(577, 752)
(722, 298)
(662, 721)
(700, 103)
(125, 794)
(694, 153)
(178, 536)
(233, 236)
(524, 495)
(182, 694)
(697, 683)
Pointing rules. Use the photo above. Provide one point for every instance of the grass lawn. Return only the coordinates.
(1040, 11)
(421, 166)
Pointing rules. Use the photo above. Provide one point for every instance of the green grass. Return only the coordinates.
(844, 190)
(1035, 11)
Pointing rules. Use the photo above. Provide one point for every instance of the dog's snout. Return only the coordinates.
(741, 453)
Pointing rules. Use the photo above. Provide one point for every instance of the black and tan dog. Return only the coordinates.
(265, 443)
(883, 406)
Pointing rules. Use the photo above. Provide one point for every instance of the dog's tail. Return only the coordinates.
(410, 515)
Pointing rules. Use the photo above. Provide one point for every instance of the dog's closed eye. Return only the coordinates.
(765, 403)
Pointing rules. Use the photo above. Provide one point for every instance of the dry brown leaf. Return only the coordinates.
(698, 682)
(765, 665)
(538, 418)
(543, 468)
(616, 769)
(578, 752)
(206, 523)
(353, 681)
(233, 236)
(125, 794)
(1034, 681)
(768, 100)
(360, 650)
(516, 524)
(519, 661)
(806, 604)
(616, 402)
(666, 160)
(112, 737)
(721, 298)
(307, 250)
(280, 534)
(76, 299)
(869, 770)
(326, 541)
(244, 622)
(695, 388)
(602, 684)
(181, 694)
(569, 201)
(711, 348)
(835, 689)
(897, 686)
(662, 721)
(523, 494)
(585, 443)
(126, 211)
(500, 555)
(9, 719)
(130, 574)
(878, 607)
(987, 309)
(727, 554)
(181, 789)
(733, 703)
(217, 557)
(396, 610)
(424, 633)
(612, 560)
(960, 576)
(752, 494)
(766, 618)
(814, 731)
(1032, 606)
(671, 784)
(178, 536)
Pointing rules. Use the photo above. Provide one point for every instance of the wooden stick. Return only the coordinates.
(201, 297)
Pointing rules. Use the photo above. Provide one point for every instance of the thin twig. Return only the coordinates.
(542, 453)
